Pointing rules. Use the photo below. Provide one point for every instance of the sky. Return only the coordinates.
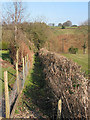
(57, 12)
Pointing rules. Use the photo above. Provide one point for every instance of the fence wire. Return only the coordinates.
(13, 90)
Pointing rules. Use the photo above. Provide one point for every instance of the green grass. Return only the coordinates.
(4, 54)
(4, 51)
(35, 92)
(16, 111)
(70, 30)
(80, 59)
(60, 27)
(11, 77)
(59, 31)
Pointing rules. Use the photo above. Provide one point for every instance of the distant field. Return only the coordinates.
(75, 37)
(70, 30)
(80, 59)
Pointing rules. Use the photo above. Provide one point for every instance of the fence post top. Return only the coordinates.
(5, 71)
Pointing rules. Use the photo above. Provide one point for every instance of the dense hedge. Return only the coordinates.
(73, 50)
(67, 82)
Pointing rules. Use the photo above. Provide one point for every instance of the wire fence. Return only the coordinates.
(13, 91)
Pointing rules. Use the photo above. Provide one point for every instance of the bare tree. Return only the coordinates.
(14, 13)
(84, 23)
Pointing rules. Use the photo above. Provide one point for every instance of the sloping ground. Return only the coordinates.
(72, 40)
(26, 109)
(68, 37)
(80, 59)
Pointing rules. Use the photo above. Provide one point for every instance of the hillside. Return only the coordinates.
(69, 37)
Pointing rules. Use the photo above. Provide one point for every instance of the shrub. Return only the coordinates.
(84, 46)
(74, 26)
(60, 24)
(63, 27)
(73, 50)
(4, 45)
(38, 33)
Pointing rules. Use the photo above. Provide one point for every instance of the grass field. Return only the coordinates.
(11, 71)
(11, 77)
(70, 30)
(80, 59)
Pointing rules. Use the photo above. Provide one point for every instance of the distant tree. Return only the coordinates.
(38, 34)
(53, 24)
(60, 24)
(84, 48)
(74, 26)
(67, 23)
(73, 50)
(84, 23)
(14, 14)
(63, 27)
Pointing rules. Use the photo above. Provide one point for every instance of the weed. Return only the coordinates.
(16, 111)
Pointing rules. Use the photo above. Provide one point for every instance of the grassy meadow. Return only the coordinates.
(70, 30)
(80, 59)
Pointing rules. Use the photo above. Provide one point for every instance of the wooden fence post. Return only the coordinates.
(17, 56)
(23, 71)
(27, 57)
(6, 95)
(17, 78)
(25, 60)
(25, 66)
(59, 109)
(27, 63)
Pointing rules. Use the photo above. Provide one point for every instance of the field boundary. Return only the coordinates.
(8, 107)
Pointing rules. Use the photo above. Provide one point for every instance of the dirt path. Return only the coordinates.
(26, 107)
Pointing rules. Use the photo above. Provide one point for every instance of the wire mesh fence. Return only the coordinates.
(13, 92)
